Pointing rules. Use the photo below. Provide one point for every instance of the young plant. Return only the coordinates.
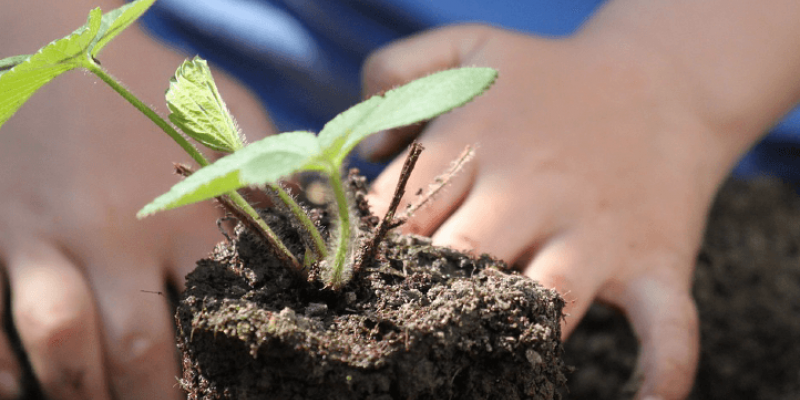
(198, 110)
(21, 76)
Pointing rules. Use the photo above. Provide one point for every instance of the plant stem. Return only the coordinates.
(338, 278)
(235, 197)
(302, 216)
(148, 112)
(271, 237)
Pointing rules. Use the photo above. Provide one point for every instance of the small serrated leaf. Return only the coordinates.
(262, 162)
(19, 83)
(419, 100)
(198, 109)
(116, 21)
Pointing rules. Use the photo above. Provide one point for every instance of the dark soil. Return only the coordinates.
(747, 288)
(421, 322)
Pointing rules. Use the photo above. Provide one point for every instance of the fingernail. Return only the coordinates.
(651, 397)
(371, 145)
(9, 385)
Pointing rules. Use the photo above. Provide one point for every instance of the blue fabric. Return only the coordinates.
(778, 154)
(302, 57)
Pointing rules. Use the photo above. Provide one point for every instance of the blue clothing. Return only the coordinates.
(303, 57)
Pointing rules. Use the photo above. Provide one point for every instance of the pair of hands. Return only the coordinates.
(592, 175)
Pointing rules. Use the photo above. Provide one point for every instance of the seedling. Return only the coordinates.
(199, 112)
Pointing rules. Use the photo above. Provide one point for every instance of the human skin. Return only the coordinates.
(78, 162)
(598, 155)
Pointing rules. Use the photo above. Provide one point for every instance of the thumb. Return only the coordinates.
(405, 60)
(665, 320)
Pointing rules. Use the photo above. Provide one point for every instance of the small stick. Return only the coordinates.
(405, 173)
(370, 249)
(182, 169)
(440, 182)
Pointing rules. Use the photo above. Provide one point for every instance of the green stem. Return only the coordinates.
(337, 278)
(322, 251)
(198, 157)
(148, 112)
(240, 202)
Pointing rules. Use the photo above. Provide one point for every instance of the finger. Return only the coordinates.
(495, 219)
(562, 264)
(10, 373)
(434, 160)
(408, 59)
(55, 316)
(139, 335)
(665, 320)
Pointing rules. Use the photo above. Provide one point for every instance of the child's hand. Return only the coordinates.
(77, 164)
(592, 173)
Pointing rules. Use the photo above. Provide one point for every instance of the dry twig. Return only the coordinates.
(439, 183)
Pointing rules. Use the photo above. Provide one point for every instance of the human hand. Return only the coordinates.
(77, 163)
(593, 173)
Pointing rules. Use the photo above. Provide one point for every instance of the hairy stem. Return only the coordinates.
(148, 112)
(272, 238)
(319, 244)
(338, 277)
(235, 197)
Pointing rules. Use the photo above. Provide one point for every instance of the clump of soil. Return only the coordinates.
(421, 322)
(747, 288)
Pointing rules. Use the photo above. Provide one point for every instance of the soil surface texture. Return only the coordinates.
(420, 322)
(747, 288)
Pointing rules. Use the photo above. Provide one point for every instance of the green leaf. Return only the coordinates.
(419, 100)
(275, 157)
(262, 162)
(19, 83)
(198, 110)
(22, 76)
(116, 21)
(10, 62)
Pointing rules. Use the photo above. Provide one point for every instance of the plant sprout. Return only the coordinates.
(198, 110)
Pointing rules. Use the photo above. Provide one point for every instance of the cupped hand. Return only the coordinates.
(80, 270)
(592, 173)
